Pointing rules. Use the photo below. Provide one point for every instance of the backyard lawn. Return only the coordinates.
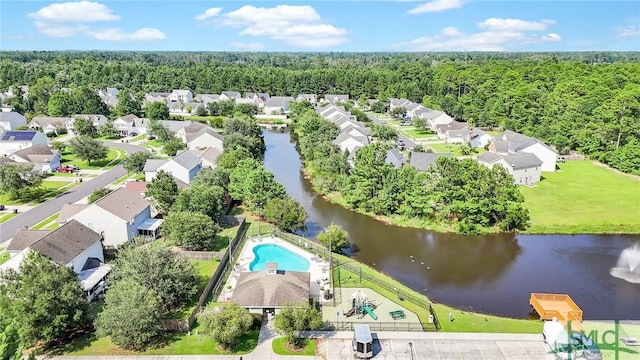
(115, 155)
(583, 197)
(278, 347)
(418, 134)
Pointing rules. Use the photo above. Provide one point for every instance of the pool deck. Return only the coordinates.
(318, 268)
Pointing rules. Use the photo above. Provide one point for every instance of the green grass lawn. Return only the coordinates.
(122, 179)
(153, 143)
(7, 216)
(453, 149)
(45, 222)
(584, 198)
(4, 256)
(418, 134)
(107, 137)
(138, 138)
(55, 184)
(309, 347)
(173, 344)
(465, 321)
(205, 271)
(68, 158)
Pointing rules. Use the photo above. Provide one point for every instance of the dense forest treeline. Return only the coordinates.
(588, 102)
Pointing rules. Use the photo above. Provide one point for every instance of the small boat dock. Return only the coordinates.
(559, 306)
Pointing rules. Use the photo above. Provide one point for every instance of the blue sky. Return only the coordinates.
(346, 25)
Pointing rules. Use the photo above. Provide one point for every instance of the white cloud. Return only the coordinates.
(494, 24)
(298, 25)
(209, 13)
(247, 46)
(82, 11)
(629, 31)
(437, 5)
(144, 34)
(64, 20)
(499, 39)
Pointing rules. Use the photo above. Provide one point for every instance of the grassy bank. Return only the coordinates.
(464, 321)
(584, 198)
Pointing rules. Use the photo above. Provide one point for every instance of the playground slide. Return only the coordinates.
(371, 313)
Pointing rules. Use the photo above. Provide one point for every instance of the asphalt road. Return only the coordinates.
(52, 206)
(407, 143)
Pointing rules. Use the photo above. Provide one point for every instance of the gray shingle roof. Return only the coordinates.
(489, 157)
(187, 160)
(69, 210)
(231, 94)
(522, 160)
(129, 118)
(174, 125)
(121, 204)
(40, 149)
(23, 238)
(152, 164)
(49, 120)
(66, 242)
(344, 136)
(12, 116)
(501, 146)
(278, 101)
(396, 153)
(421, 161)
(259, 289)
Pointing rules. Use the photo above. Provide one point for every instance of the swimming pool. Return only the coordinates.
(286, 259)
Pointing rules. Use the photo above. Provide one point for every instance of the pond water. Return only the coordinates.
(492, 274)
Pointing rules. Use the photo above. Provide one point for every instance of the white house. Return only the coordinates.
(49, 124)
(333, 98)
(73, 245)
(118, 216)
(15, 140)
(204, 138)
(395, 158)
(44, 158)
(398, 103)
(312, 98)
(11, 120)
(513, 142)
(435, 118)
(97, 120)
(184, 96)
(229, 95)
(130, 125)
(184, 167)
(208, 156)
(479, 138)
(277, 105)
(109, 96)
(348, 142)
(524, 167)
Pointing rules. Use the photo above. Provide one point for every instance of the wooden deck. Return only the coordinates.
(559, 306)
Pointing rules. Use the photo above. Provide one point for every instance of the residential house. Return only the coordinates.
(109, 96)
(184, 96)
(422, 161)
(398, 103)
(436, 117)
(182, 108)
(119, 216)
(73, 245)
(258, 98)
(209, 156)
(184, 167)
(152, 97)
(12, 141)
(458, 136)
(479, 138)
(23, 238)
(395, 158)
(199, 136)
(137, 187)
(97, 120)
(441, 129)
(524, 167)
(240, 101)
(348, 142)
(130, 125)
(207, 98)
(11, 120)
(48, 124)
(334, 98)
(411, 109)
(312, 98)
(43, 158)
(513, 142)
(67, 211)
(229, 95)
(277, 105)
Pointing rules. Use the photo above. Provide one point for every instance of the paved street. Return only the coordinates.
(46, 209)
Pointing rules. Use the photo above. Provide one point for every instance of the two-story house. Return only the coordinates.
(184, 96)
(11, 120)
(12, 141)
(184, 167)
(44, 158)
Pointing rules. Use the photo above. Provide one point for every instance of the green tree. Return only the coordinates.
(87, 101)
(44, 300)
(294, 318)
(205, 199)
(334, 235)
(191, 230)
(230, 158)
(225, 323)
(40, 93)
(172, 146)
(163, 190)
(130, 316)
(159, 269)
(213, 177)
(160, 131)
(60, 104)
(107, 129)
(285, 213)
(419, 123)
(384, 132)
(379, 107)
(157, 110)
(134, 163)
(98, 194)
(255, 186)
(17, 180)
(10, 346)
(83, 126)
(88, 149)
(58, 145)
(127, 104)
(201, 111)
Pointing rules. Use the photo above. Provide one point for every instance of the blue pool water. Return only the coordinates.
(286, 259)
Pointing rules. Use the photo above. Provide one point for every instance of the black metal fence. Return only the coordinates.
(376, 326)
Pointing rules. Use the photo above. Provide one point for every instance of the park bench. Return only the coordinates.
(397, 314)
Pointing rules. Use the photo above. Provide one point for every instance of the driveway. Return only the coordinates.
(52, 206)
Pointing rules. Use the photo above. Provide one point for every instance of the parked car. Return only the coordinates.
(2, 208)
(67, 168)
(400, 144)
(405, 122)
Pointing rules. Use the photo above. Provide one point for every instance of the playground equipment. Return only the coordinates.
(361, 306)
